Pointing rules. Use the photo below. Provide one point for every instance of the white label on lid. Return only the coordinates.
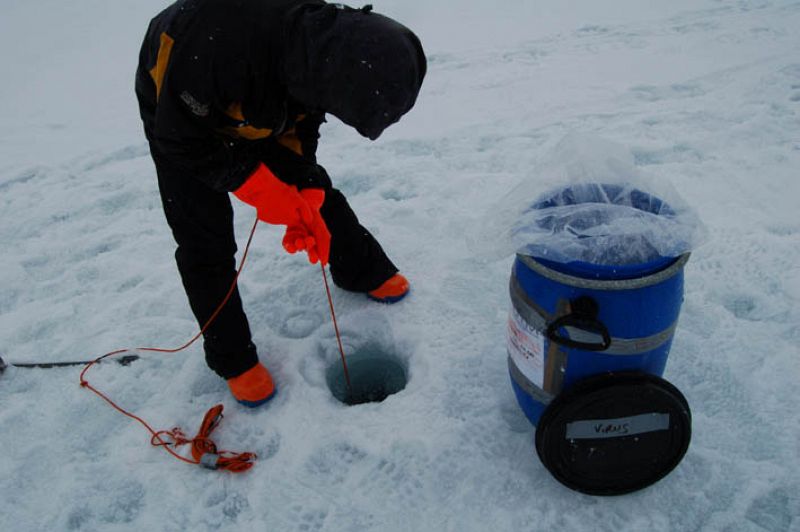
(614, 428)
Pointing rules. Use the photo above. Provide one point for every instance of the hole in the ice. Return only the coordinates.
(375, 374)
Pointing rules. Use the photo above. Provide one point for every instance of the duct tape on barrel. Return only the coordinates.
(614, 433)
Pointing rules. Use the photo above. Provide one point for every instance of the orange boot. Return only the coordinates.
(391, 291)
(254, 387)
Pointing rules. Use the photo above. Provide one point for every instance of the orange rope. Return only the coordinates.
(336, 329)
(202, 446)
(204, 450)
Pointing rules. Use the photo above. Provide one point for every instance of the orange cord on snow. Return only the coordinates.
(336, 328)
(204, 451)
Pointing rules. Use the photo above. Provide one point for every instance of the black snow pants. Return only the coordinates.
(201, 220)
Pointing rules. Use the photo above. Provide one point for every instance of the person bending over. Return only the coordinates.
(232, 94)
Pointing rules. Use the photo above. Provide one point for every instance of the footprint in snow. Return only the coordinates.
(300, 323)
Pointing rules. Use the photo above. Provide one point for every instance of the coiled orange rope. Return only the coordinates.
(204, 451)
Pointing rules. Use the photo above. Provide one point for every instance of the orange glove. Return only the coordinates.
(280, 204)
(275, 202)
(313, 237)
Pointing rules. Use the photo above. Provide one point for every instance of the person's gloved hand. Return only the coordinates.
(312, 237)
(281, 204)
(275, 202)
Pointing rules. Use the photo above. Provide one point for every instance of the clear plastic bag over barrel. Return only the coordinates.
(587, 202)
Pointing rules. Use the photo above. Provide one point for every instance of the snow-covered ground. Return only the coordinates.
(705, 93)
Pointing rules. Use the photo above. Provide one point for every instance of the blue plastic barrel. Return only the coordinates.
(572, 320)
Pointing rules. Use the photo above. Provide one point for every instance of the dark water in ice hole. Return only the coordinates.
(374, 375)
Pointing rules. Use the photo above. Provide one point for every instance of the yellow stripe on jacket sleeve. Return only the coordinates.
(290, 139)
(158, 71)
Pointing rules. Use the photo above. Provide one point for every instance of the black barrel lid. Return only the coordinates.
(614, 433)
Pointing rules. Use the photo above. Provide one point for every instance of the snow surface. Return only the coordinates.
(705, 93)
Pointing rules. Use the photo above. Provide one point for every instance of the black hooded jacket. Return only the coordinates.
(225, 84)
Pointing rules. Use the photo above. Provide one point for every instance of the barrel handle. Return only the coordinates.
(583, 316)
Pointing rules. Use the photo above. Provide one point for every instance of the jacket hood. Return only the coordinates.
(364, 68)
